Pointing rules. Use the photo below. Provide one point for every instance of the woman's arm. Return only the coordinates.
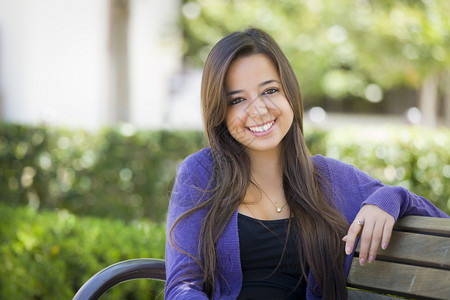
(382, 205)
(395, 200)
(183, 274)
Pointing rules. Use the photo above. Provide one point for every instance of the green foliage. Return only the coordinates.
(337, 48)
(49, 255)
(116, 173)
(128, 175)
(415, 158)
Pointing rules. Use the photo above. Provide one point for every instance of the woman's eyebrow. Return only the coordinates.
(260, 85)
(268, 82)
(234, 92)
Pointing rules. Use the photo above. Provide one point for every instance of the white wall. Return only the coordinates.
(54, 61)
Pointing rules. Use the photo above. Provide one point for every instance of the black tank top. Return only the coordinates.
(261, 248)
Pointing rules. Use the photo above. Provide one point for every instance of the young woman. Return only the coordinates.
(254, 216)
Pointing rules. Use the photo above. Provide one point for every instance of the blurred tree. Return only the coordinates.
(339, 49)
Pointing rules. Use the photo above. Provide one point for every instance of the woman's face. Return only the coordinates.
(258, 115)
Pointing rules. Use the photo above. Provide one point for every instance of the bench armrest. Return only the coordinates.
(126, 270)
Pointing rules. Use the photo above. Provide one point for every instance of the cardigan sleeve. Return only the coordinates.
(352, 188)
(183, 274)
(395, 200)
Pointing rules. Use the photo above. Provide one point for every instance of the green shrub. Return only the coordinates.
(116, 172)
(413, 157)
(127, 174)
(49, 255)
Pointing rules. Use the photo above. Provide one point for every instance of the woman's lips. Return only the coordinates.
(262, 129)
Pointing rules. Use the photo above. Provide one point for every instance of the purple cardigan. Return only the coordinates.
(354, 188)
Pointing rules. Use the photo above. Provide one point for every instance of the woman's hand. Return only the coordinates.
(375, 226)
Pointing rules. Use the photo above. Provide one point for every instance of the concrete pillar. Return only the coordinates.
(155, 56)
(428, 101)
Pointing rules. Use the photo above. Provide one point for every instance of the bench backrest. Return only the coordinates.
(416, 263)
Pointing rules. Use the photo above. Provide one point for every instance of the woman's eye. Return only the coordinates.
(236, 101)
(270, 91)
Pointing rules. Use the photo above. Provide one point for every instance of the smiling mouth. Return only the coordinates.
(262, 128)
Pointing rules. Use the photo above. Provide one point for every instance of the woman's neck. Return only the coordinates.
(266, 166)
(265, 198)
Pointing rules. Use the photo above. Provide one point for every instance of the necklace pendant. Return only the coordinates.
(279, 209)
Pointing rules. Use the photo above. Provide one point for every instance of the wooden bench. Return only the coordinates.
(416, 265)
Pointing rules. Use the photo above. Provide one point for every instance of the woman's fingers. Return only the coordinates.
(365, 240)
(387, 232)
(375, 227)
(376, 239)
(352, 235)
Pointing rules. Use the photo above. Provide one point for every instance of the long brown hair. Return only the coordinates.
(317, 222)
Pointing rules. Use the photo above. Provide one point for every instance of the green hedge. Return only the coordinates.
(413, 157)
(115, 172)
(49, 255)
(127, 174)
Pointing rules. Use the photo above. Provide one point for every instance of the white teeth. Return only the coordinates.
(262, 128)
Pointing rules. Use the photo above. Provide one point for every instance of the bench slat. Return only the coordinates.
(428, 225)
(363, 295)
(417, 249)
(400, 279)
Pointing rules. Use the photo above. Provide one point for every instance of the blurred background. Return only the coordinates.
(92, 64)
(100, 101)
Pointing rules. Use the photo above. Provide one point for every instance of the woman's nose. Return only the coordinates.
(258, 107)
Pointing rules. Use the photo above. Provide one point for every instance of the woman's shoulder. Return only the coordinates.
(329, 163)
(342, 174)
(193, 179)
(199, 163)
(334, 170)
(201, 158)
